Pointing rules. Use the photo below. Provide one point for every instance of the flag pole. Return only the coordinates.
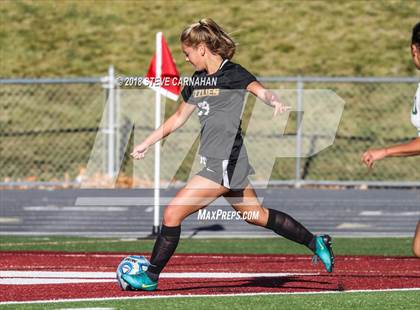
(156, 223)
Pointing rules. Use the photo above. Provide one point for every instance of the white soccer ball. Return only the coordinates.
(131, 265)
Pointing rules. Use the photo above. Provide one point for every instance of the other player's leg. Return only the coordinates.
(416, 241)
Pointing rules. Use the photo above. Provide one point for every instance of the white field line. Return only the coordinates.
(10, 220)
(46, 281)
(147, 201)
(75, 208)
(111, 275)
(382, 213)
(352, 226)
(56, 274)
(56, 277)
(301, 271)
(208, 296)
(134, 201)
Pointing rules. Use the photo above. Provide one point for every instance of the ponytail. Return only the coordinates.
(415, 39)
(208, 32)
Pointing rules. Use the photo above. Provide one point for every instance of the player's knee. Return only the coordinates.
(172, 217)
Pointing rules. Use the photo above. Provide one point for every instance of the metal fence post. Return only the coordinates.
(299, 106)
(111, 123)
(119, 153)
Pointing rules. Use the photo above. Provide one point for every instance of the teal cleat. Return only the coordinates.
(323, 251)
(140, 282)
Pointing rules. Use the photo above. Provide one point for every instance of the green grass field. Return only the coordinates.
(371, 301)
(81, 38)
(342, 246)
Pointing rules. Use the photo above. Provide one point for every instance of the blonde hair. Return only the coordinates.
(208, 32)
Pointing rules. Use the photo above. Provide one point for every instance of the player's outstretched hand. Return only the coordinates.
(279, 108)
(139, 151)
(369, 157)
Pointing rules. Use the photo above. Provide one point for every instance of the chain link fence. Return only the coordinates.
(49, 129)
(376, 114)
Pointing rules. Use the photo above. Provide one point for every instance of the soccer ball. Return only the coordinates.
(131, 265)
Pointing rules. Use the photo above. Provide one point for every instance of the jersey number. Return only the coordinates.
(204, 108)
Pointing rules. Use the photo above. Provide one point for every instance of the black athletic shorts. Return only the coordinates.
(232, 174)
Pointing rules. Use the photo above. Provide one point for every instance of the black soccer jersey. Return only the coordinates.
(219, 98)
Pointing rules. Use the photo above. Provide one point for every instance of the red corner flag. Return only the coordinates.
(169, 77)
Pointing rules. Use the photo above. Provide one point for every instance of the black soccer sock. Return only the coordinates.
(165, 246)
(288, 227)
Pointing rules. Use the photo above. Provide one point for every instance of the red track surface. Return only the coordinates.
(355, 272)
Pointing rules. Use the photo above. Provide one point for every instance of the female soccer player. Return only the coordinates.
(411, 148)
(225, 162)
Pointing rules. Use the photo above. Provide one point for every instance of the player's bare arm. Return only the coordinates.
(268, 97)
(177, 119)
(411, 148)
